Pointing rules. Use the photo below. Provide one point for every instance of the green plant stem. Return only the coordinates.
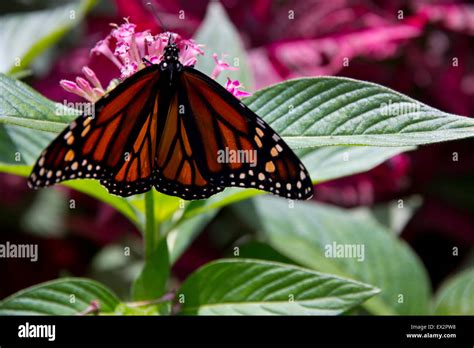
(151, 229)
(152, 280)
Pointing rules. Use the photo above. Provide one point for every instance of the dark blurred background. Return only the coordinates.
(425, 51)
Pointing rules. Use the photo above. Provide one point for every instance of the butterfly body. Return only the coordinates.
(167, 127)
(171, 64)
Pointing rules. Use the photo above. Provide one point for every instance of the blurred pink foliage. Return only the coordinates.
(327, 55)
(456, 17)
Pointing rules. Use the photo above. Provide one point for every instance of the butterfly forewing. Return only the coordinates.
(98, 146)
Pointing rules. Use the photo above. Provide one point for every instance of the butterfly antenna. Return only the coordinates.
(155, 14)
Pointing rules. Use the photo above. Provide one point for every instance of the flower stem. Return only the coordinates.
(151, 232)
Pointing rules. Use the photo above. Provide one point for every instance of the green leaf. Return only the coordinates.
(28, 121)
(253, 287)
(456, 296)
(94, 189)
(151, 283)
(321, 111)
(26, 35)
(307, 232)
(218, 35)
(332, 162)
(261, 251)
(65, 296)
(21, 105)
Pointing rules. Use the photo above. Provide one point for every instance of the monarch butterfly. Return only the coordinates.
(164, 127)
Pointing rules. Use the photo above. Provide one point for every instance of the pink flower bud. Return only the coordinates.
(92, 77)
(69, 86)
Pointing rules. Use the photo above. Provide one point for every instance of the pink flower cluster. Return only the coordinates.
(126, 49)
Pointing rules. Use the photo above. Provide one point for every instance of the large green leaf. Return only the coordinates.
(25, 35)
(66, 296)
(323, 111)
(218, 35)
(456, 296)
(307, 232)
(252, 287)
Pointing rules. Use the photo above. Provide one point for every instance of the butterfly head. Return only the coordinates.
(171, 57)
(171, 52)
